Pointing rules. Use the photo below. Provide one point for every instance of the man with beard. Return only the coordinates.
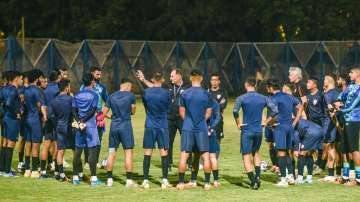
(103, 95)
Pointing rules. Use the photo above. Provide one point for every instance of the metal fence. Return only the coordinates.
(234, 61)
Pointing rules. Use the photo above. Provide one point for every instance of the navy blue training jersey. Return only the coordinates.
(1, 102)
(157, 103)
(315, 109)
(11, 101)
(252, 105)
(196, 101)
(84, 101)
(306, 127)
(331, 96)
(61, 110)
(51, 91)
(285, 104)
(101, 91)
(120, 104)
(33, 97)
(21, 90)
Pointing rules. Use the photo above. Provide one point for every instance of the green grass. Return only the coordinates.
(232, 178)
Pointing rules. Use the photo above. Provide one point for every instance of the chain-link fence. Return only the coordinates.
(234, 61)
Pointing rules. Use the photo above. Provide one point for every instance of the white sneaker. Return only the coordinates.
(145, 184)
(98, 165)
(191, 184)
(165, 184)
(131, 184)
(352, 174)
(20, 166)
(328, 179)
(180, 186)
(263, 166)
(283, 183)
(309, 179)
(291, 180)
(299, 180)
(207, 186)
(109, 182)
(27, 173)
(35, 174)
(216, 184)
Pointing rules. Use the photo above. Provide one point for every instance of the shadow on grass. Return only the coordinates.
(269, 177)
(236, 180)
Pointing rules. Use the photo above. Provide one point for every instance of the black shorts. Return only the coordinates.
(350, 140)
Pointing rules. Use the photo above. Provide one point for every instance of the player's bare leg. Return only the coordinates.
(182, 168)
(207, 169)
(109, 166)
(194, 170)
(215, 168)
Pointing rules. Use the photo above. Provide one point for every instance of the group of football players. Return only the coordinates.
(304, 121)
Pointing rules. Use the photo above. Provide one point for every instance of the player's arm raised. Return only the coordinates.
(141, 77)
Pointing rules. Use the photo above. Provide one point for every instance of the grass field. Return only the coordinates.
(232, 178)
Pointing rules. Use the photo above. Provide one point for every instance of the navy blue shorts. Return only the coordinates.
(311, 141)
(196, 138)
(11, 128)
(121, 133)
(250, 142)
(269, 136)
(214, 146)
(331, 134)
(65, 138)
(49, 132)
(153, 136)
(33, 131)
(87, 138)
(283, 135)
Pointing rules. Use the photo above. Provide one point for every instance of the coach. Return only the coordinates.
(176, 87)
